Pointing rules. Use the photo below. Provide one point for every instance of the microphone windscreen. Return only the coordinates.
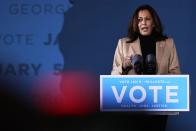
(150, 58)
(150, 64)
(137, 61)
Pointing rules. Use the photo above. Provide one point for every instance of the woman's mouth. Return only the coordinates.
(144, 29)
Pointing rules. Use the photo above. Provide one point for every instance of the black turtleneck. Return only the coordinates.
(148, 45)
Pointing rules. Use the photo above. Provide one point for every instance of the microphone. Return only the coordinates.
(150, 64)
(137, 63)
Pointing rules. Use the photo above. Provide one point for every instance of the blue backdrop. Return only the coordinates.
(45, 36)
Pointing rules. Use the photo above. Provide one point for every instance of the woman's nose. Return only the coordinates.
(144, 21)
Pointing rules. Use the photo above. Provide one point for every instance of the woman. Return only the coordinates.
(145, 36)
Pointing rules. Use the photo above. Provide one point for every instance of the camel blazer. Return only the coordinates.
(166, 56)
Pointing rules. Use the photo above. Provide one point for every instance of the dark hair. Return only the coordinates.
(157, 32)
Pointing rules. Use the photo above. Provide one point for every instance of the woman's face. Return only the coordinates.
(145, 22)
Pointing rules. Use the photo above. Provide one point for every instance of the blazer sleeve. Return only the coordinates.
(174, 66)
(118, 59)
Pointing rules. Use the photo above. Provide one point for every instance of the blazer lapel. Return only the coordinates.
(135, 47)
(160, 46)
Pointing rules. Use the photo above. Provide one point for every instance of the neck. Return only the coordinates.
(147, 37)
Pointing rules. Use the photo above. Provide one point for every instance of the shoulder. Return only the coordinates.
(124, 40)
(125, 44)
(169, 42)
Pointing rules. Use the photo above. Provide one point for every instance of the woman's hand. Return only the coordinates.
(127, 63)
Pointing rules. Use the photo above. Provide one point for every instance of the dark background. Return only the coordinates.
(87, 32)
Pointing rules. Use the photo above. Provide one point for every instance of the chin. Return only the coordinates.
(145, 34)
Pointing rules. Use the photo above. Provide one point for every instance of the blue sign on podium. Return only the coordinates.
(144, 93)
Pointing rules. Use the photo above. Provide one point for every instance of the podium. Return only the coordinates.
(150, 94)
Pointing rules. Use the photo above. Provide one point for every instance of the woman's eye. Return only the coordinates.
(147, 19)
(140, 19)
(144, 19)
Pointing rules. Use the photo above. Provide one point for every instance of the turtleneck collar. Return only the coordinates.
(148, 45)
(147, 38)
